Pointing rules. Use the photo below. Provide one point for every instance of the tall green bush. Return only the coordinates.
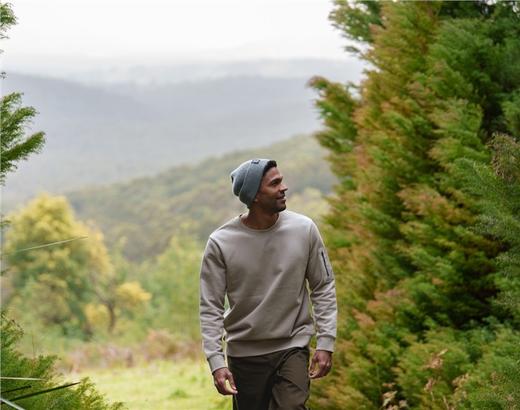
(416, 277)
(15, 365)
(495, 381)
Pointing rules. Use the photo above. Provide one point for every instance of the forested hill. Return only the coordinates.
(113, 133)
(194, 200)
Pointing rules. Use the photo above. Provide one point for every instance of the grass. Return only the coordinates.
(160, 385)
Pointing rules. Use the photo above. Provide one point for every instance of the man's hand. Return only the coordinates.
(323, 360)
(220, 376)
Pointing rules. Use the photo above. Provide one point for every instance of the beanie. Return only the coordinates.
(246, 179)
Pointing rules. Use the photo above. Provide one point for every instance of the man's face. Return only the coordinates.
(271, 195)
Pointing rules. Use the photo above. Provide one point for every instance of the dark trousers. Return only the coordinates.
(273, 381)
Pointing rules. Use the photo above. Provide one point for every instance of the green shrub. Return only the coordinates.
(15, 365)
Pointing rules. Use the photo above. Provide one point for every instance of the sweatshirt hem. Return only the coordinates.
(259, 347)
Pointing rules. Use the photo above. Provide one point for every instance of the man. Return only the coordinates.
(262, 261)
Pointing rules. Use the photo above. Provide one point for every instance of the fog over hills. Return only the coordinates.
(104, 135)
(336, 70)
(113, 126)
(99, 72)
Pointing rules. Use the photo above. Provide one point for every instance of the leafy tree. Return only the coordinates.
(48, 257)
(174, 284)
(60, 269)
(114, 295)
(416, 279)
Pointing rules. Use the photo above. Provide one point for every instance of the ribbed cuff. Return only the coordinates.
(325, 343)
(216, 362)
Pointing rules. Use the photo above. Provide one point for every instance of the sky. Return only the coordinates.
(76, 33)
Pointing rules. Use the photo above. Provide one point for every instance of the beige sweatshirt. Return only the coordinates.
(264, 274)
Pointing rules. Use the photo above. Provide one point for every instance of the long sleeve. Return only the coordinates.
(212, 296)
(322, 292)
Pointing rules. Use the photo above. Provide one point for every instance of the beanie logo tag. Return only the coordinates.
(255, 161)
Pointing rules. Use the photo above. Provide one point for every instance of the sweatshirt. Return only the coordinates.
(267, 276)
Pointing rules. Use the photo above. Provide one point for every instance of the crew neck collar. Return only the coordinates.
(272, 227)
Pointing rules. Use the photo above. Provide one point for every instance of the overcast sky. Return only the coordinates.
(76, 32)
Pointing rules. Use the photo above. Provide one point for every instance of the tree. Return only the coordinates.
(114, 295)
(14, 365)
(48, 256)
(44, 392)
(64, 280)
(415, 278)
(495, 381)
(174, 284)
(14, 118)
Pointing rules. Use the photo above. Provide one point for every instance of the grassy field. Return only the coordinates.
(160, 385)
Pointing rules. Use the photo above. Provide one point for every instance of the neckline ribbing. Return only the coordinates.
(247, 228)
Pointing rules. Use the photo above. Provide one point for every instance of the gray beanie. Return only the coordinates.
(246, 179)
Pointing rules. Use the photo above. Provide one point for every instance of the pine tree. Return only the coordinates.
(82, 396)
(495, 380)
(14, 118)
(415, 278)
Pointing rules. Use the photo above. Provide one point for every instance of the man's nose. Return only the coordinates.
(284, 188)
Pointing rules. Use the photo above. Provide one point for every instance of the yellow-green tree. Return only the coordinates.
(114, 296)
(48, 257)
(173, 282)
(59, 268)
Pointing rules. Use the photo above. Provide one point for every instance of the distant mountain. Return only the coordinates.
(194, 200)
(111, 72)
(116, 132)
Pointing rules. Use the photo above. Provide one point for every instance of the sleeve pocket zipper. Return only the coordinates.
(325, 264)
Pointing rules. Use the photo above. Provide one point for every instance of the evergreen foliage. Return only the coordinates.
(422, 318)
(7, 19)
(14, 364)
(497, 185)
(495, 380)
(15, 144)
(14, 118)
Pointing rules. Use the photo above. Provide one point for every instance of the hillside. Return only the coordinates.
(194, 200)
(343, 70)
(102, 134)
